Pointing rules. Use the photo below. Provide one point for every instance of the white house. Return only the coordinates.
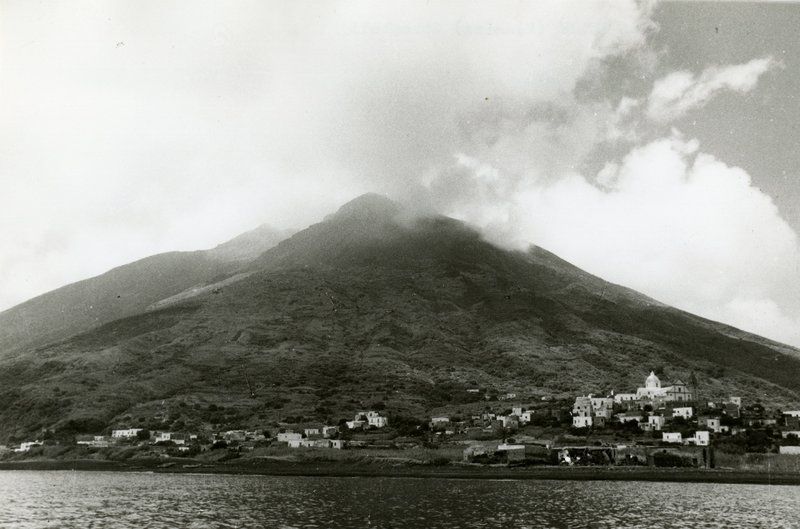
(655, 423)
(96, 441)
(787, 433)
(513, 452)
(582, 421)
(686, 412)
(27, 445)
(439, 421)
(713, 424)
(162, 437)
(582, 406)
(378, 421)
(179, 438)
(312, 431)
(235, 435)
(671, 437)
(250, 435)
(700, 438)
(126, 433)
(621, 398)
(286, 437)
(508, 421)
(328, 431)
(602, 406)
(791, 450)
(368, 418)
(629, 417)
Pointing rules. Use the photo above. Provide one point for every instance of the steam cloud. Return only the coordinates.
(498, 116)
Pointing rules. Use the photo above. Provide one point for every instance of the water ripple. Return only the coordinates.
(132, 500)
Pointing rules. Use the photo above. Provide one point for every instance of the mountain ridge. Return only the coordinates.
(125, 290)
(367, 307)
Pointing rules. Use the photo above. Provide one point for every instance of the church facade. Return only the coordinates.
(653, 391)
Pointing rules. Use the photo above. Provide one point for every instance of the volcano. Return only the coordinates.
(371, 306)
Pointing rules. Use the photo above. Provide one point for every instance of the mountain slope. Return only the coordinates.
(367, 308)
(125, 290)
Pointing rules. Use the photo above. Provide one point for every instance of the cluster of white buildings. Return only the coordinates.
(700, 438)
(323, 437)
(127, 434)
(317, 437)
(312, 438)
(367, 419)
(665, 404)
(654, 394)
(597, 411)
(27, 445)
(519, 416)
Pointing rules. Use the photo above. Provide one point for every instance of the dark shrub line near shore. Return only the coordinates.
(334, 469)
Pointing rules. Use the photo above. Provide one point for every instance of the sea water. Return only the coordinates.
(66, 499)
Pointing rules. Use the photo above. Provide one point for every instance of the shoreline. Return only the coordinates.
(336, 469)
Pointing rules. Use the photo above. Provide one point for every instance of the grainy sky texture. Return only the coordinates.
(655, 145)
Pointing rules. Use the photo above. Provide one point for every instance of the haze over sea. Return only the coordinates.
(65, 499)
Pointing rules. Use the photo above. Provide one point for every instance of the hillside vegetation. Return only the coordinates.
(368, 308)
(125, 291)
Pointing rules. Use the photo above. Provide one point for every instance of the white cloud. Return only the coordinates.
(762, 316)
(677, 93)
(131, 129)
(128, 129)
(672, 222)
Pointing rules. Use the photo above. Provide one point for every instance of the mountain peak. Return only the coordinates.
(370, 207)
(250, 244)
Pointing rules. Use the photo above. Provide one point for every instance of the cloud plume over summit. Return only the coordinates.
(551, 123)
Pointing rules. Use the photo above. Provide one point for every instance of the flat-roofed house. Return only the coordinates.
(378, 421)
(700, 438)
(285, 437)
(126, 433)
(622, 398)
(713, 424)
(655, 423)
(329, 431)
(582, 421)
(686, 412)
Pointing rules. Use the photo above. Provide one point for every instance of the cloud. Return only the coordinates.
(129, 130)
(669, 220)
(762, 316)
(204, 122)
(679, 92)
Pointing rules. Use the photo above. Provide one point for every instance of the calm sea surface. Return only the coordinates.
(109, 499)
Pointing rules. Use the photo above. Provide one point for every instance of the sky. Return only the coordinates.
(652, 144)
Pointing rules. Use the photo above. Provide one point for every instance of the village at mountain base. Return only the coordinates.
(656, 426)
